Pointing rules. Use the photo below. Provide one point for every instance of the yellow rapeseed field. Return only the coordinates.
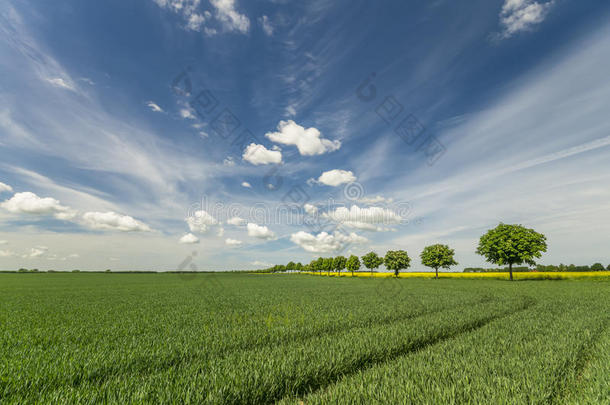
(498, 275)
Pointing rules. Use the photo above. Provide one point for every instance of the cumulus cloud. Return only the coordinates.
(308, 141)
(195, 21)
(111, 221)
(259, 263)
(260, 231)
(259, 155)
(237, 221)
(5, 188)
(30, 203)
(233, 242)
(325, 242)
(266, 25)
(189, 238)
(521, 15)
(230, 18)
(246, 184)
(200, 221)
(364, 218)
(336, 177)
(154, 106)
(310, 209)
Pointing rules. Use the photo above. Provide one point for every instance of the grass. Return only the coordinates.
(247, 338)
(534, 275)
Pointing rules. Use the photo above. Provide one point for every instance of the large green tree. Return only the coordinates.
(437, 256)
(339, 263)
(372, 261)
(353, 264)
(397, 260)
(327, 264)
(511, 244)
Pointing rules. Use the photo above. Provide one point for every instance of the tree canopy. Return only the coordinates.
(397, 260)
(372, 261)
(353, 264)
(512, 244)
(438, 256)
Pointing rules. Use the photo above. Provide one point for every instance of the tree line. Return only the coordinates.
(504, 245)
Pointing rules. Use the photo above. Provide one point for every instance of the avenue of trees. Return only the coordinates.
(505, 245)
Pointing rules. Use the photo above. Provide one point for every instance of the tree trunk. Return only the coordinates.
(436, 268)
(510, 269)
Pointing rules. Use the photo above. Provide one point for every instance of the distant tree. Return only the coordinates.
(339, 263)
(438, 256)
(372, 261)
(22, 270)
(327, 265)
(290, 266)
(397, 260)
(608, 268)
(511, 244)
(353, 264)
(75, 271)
(108, 270)
(298, 266)
(597, 267)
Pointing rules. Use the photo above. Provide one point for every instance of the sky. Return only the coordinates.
(225, 134)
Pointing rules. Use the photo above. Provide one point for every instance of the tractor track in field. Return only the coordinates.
(145, 366)
(567, 380)
(413, 347)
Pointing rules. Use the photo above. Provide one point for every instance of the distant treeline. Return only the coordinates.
(541, 268)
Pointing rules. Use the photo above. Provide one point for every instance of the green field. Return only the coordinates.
(247, 338)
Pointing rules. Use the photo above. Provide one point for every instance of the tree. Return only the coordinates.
(298, 266)
(339, 263)
(597, 267)
(438, 256)
(608, 268)
(327, 264)
(353, 264)
(397, 260)
(372, 261)
(290, 266)
(511, 244)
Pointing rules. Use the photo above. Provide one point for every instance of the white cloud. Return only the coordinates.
(375, 200)
(290, 111)
(260, 231)
(7, 253)
(195, 21)
(237, 221)
(364, 218)
(266, 25)
(189, 238)
(154, 106)
(246, 184)
(114, 222)
(229, 161)
(200, 221)
(325, 242)
(308, 141)
(73, 256)
(259, 155)
(336, 177)
(61, 83)
(30, 203)
(233, 242)
(5, 188)
(3, 242)
(230, 18)
(187, 113)
(521, 15)
(310, 209)
(259, 263)
(38, 251)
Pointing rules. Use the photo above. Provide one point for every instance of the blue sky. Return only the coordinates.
(133, 134)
